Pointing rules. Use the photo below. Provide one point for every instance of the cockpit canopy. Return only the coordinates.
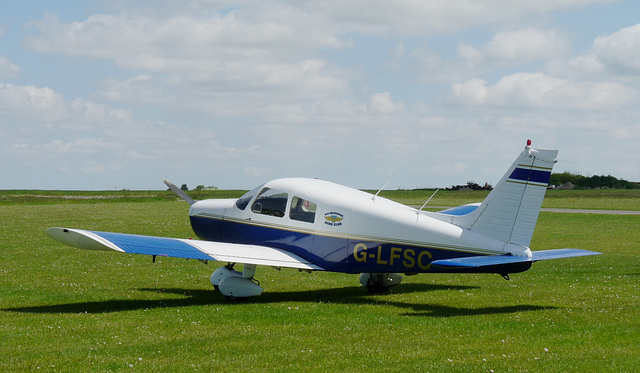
(274, 202)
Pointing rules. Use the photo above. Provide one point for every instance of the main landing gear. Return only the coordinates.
(236, 285)
(378, 283)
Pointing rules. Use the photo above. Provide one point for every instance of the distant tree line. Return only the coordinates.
(185, 188)
(470, 185)
(591, 182)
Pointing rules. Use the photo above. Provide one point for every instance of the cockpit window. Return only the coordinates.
(302, 210)
(270, 202)
(243, 201)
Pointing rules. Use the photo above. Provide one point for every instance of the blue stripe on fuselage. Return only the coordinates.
(330, 257)
(527, 174)
(337, 254)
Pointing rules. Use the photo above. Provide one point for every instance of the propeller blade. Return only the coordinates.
(179, 192)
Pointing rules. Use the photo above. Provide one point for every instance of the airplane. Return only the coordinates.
(316, 225)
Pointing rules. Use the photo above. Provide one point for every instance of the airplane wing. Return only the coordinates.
(180, 248)
(496, 260)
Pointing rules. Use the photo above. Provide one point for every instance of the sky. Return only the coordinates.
(110, 95)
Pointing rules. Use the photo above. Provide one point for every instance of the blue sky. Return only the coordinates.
(123, 94)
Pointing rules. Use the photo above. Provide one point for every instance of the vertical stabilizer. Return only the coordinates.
(510, 211)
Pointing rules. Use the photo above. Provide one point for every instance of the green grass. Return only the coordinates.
(63, 309)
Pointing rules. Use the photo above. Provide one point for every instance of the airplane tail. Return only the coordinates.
(510, 211)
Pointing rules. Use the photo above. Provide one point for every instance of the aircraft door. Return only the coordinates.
(302, 214)
(332, 242)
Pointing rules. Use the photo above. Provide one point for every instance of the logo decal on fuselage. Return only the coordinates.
(333, 219)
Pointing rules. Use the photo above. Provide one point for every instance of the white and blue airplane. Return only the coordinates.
(316, 225)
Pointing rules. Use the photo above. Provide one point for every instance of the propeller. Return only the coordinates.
(179, 192)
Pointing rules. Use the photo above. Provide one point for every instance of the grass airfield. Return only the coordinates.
(64, 309)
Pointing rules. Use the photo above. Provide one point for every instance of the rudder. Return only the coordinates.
(510, 211)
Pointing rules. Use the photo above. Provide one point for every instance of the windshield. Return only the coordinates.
(243, 201)
(270, 202)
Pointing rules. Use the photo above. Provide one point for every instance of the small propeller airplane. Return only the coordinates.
(316, 225)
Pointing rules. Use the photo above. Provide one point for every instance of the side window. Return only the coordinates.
(270, 202)
(302, 210)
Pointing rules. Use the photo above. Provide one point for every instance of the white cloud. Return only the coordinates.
(505, 49)
(517, 47)
(620, 51)
(382, 103)
(401, 17)
(8, 69)
(423, 18)
(244, 61)
(32, 102)
(275, 44)
(40, 128)
(186, 41)
(50, 107)
(537, 90)
(617, 54)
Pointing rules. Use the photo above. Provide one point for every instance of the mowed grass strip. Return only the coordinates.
(63, 309)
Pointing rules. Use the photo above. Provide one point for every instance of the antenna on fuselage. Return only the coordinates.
(385, 184)
(434, 193)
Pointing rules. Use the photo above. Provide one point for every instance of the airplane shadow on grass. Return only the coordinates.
(356, 295)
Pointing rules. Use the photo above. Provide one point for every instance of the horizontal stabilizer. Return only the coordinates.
(496, 260)
(180, 248)
(480, 261)
(560, 253)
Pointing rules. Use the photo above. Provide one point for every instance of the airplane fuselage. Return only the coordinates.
(338, 228)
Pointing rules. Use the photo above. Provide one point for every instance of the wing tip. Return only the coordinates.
(561, 253)
(81, 239)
